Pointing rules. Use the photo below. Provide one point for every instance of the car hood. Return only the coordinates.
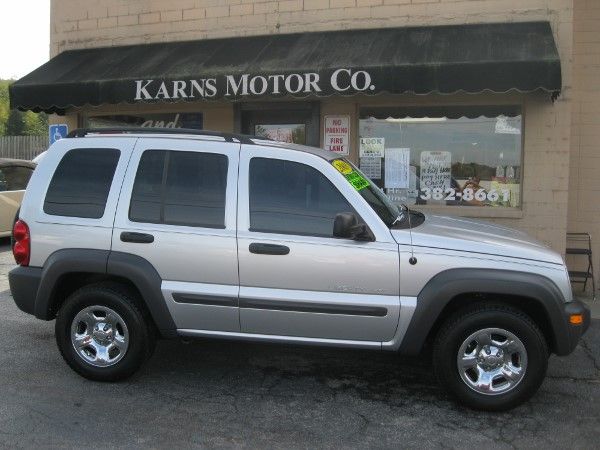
(477, 236)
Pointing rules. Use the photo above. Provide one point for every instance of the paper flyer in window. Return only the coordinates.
(371, 167)
(397, 168)
(372, 147)
(435, 170)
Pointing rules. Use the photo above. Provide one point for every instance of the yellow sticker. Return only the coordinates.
(342, 166)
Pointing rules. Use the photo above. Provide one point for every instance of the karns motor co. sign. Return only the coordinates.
(235, 86)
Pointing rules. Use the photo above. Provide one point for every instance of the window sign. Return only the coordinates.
(372, 147)
(435, 170)
(454, 156)
(371, 167)
(397, 169)
(162, 120)
(336, 137)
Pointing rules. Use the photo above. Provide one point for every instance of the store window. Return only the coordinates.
(291, 133)
(459, 156)
(163, 120)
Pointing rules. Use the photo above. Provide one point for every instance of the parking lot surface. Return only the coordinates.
(231, 394)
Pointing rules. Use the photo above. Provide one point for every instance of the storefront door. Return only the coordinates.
(287, 122)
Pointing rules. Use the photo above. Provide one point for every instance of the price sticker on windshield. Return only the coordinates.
(342, 166)
(357, 181)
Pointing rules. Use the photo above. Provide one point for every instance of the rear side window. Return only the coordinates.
(14, 178)
(180, 188)
(292, 198)
(81, 183)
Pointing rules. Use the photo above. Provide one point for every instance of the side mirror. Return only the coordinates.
(346, 226)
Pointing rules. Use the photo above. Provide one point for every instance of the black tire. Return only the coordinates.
(140, 328)
(467, 321)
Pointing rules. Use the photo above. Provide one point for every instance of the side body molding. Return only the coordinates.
(103, 262)
(446, 285)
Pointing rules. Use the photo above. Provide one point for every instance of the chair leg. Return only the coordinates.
(593, 279)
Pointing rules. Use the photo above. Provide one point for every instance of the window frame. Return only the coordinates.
(168, 152)
(513, 103)
(382, 233)
(319, 173)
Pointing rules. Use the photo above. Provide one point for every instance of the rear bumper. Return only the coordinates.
(573, 332)
(24, 283)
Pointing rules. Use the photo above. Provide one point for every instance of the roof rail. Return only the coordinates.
(229, 137)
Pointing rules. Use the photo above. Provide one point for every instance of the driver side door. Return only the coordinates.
(296, 279)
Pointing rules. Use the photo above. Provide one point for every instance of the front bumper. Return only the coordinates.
(24, 283)
(573, 331)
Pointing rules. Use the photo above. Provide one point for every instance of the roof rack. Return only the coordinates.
(229, 137)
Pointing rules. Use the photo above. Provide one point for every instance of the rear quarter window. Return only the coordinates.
(81, 183)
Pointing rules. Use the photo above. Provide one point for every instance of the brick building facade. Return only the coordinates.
(552, 176)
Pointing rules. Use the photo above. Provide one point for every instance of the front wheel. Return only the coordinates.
(490, 357)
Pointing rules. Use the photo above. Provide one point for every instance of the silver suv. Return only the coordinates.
(125, 237)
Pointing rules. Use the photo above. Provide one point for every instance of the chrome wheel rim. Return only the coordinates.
(99, 336)
(492, 361)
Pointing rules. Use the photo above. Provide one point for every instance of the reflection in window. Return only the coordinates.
(180, 188)
(444, 156)
(81, 183)
(292, 198)
(291, 133)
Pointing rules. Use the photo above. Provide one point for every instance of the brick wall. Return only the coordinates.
(547, 136)
(584, 186)
(77, 24)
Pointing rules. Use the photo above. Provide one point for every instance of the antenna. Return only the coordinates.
(412, 260)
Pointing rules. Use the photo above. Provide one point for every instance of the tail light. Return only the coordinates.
(22, 247)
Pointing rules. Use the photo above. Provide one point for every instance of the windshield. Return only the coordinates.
(377, 200)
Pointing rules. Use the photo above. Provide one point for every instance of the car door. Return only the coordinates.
(296, 279)
(177, 211)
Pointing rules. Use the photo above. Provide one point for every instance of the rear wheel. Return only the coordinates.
(490, 357)
(102, 333)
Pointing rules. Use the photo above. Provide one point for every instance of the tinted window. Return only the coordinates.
(180, 188)
(292, 198)
(81, 183)
(14, 178)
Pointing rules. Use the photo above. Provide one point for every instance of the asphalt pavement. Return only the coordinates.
(230, 394)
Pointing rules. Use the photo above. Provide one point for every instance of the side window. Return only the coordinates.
(180, 188)
(292, 198)
(17, 177)
(81, 183)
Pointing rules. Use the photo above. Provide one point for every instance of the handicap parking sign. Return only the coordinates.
(56, 132)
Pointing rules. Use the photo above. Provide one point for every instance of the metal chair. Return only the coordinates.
(582, 247)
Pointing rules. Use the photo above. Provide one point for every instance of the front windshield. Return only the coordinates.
(377, 200)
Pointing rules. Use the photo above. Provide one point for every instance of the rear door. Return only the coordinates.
(177, 211)
(296, 279)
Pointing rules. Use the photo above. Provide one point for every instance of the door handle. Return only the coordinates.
(268, 249)
(138, 238)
